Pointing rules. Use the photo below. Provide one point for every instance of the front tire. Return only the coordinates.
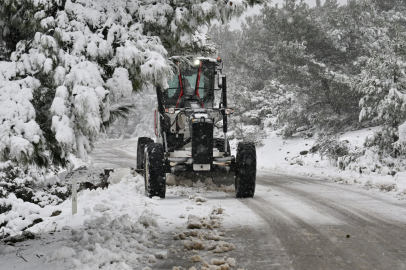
(142, 142)
(246, 170)
(154, 170)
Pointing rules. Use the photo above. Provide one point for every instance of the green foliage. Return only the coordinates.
(16, 180)
(3, 50)
(4, 208)
(346, 161)
(330, 146)
(23, 183)
(382, 83)
(289, 56)
(117, 112)
(247, 133)
(371, 160)
(384, 140)
(21, 20)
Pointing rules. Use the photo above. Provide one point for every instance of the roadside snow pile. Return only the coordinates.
(62, 253)
(114, 228)
(147, 219)
(109, 243)
(367, 170)
(119, 228)
(26, 198)
(118, 175)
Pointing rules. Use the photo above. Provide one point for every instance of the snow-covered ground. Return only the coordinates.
(120, 228)
(283, 155)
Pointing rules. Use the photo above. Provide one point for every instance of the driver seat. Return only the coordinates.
(189, 98)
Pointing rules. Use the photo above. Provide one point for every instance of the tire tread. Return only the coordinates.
(156, 170)
(142, 142)
(246, 171)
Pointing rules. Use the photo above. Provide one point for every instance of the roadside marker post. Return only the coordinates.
(74, 197)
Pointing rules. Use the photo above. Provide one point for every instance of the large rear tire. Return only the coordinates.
(142, 142)
(154, 171)
(246, 170)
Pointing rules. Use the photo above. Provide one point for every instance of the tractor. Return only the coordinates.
(186, 121)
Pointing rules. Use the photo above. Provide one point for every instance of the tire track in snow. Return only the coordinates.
(305, 246)
(340, 208)
(322, 183)
(110, 153)
(370, 236)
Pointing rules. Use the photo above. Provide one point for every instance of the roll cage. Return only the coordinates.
(200, 78)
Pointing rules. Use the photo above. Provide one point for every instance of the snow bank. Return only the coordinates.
(118, 174)
(23, 214)
(60, 254)
(119, 228)
(292, 156)
(115, 228)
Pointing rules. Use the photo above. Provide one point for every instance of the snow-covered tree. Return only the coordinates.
(72, 58)
(383, 85)
(295, 46)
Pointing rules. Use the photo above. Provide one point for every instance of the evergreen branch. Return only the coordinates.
(121, 111)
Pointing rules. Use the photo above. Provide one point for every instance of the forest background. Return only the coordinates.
(322, 71)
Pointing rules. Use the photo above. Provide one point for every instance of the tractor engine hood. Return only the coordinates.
(201, 130)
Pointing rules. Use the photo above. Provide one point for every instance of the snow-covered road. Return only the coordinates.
(300, 223)
(315, 224)
(115, 153)
(291, 223)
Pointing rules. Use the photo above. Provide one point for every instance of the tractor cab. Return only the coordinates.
(188, 95)
(193, 86)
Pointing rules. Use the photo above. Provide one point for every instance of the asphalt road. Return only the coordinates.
(304, 223)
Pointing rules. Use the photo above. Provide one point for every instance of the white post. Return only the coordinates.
(74, 197)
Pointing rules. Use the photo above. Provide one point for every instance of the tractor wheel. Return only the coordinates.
(246, 170)
(219, 144)
(154, 170)
(142, 142)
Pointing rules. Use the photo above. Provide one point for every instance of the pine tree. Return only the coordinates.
(296, 47)
(383, 85)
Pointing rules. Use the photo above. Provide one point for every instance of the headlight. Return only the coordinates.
(170, 110)
(196, 62)
(229, 111)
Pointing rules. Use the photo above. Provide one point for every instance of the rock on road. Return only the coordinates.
(302, 223)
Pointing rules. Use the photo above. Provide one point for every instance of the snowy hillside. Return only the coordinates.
(294, 156)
